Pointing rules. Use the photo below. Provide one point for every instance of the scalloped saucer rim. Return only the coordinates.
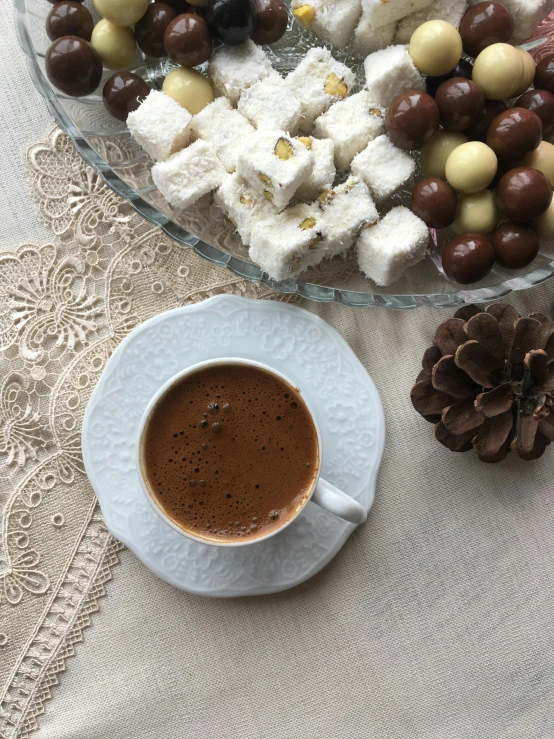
(106, 499)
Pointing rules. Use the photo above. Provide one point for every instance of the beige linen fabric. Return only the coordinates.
(434, 622)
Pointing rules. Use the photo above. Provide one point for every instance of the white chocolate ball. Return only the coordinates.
(542, 158)
(115, 44)
(189, 88)
(121, 12)
(477, 213)
(498, 71)
(529, 68)
(543, 226)
(436, 152)
(435, 48)
(471, 167)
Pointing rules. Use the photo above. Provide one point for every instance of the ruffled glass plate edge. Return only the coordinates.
(246, 270)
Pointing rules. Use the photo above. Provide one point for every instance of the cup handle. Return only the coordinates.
(340, 504)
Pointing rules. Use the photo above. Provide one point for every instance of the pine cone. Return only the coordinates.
(488, 383)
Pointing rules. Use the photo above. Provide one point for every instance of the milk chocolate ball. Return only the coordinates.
(543, 226)
(232, 21)
(68, 18)
(435, 47)
(188, 41)
(436, 152)
(514, 133)
(541, 103)
(461, 103)
(123, 93)
(435, 202)
(544, 74)
(492, 108)
(115, 44)
(149, 31)
(542, 158)
(121, 12)
(483, 25)
(189, 88)
(462, 69)
(468, 258)
(272, 22)
(515, 245)
(498, 71)
(523, 194)
(412, 120)
(73, 66)
(476, 213)
(471, 167)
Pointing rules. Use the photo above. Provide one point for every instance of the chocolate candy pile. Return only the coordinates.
(480, 131)
(184, 31)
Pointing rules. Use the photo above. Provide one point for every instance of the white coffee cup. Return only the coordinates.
(323, 493)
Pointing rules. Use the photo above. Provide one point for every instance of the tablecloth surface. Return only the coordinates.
(435, 621)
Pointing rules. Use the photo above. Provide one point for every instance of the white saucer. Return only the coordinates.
(291, 340)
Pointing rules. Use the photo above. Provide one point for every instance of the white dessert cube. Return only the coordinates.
(351, 124)
(275, 165)
(233, 69)
(451, 11)
(160, 125)
(225, 128)
(323, 172)
(271, 104)
(346, 210)
(188, 175)
(390, 72)
(388, 248)
(332, 20)
(368, 38)
(379, 13)
(243, 205)
(289, 243)
(383, 167)
(318, 82)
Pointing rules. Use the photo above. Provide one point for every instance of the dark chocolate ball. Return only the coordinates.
(540, 102)
(69, 18)
(468, 258)
(435, 202)
(123, 93)
(523, 194)
(232, 21)
(461, 104)
(514, 133)
(483, 25)
(478, 132)
(515, 245)
(462, 69)
(544, 74)
(73, 66)
(149, 31)
(272, 22)
(188, 41)
(412, 120)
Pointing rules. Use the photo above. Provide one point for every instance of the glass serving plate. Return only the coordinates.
(108, 147)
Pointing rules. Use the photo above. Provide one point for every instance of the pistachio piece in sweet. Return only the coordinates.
(283, 149)
(307, 223)
(305, 14)
(335, 86)
(306, 140)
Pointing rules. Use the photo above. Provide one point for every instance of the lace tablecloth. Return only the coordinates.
(435, 620)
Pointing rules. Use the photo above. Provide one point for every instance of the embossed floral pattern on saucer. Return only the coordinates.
(298, 344)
